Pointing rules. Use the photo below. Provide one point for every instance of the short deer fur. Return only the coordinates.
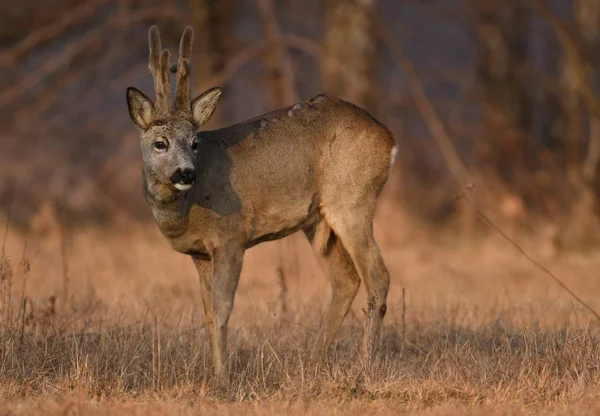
(317, 167)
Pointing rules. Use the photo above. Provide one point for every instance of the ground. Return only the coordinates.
(109, 320)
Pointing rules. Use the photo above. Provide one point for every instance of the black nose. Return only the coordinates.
(184, 176)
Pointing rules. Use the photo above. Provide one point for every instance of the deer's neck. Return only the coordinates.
(169, 208)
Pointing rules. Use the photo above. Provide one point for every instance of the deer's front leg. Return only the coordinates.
(218, 293)
(205, 271)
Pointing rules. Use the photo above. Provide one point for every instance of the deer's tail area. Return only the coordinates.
(322, 237)
(394, 151)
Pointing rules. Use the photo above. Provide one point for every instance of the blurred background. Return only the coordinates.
(495, 107)
(495, 94)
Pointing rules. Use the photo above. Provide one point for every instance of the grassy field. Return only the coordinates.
(95, 321)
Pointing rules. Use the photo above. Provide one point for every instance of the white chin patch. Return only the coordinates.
(182, 186)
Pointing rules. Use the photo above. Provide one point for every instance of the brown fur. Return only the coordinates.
(317, 166)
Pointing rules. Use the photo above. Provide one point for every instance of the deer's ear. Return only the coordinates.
(141, 109)
(204, 106)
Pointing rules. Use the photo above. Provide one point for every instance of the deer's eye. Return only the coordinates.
(160, 145)
(194, 146)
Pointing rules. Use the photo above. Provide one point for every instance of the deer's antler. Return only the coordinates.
(159, 63)
(184, 82)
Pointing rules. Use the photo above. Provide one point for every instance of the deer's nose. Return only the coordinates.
(184, 176)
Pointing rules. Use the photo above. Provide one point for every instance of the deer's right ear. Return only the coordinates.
(141, 109)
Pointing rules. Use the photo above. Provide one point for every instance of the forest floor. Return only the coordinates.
(109, 321)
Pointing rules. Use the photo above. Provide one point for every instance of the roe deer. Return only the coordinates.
(317, 166)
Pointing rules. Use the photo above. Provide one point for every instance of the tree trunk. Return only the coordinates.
(582, 227)
(351, 51)
(281, 81)
(503, 32)
(587, 16)
(214, 42)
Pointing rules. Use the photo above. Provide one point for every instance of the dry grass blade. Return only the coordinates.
(537, 264)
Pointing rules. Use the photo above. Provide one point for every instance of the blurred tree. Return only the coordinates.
(280, 78)
(502, 29)
(18, 19)
(581, 115)
(214, 41)
(587, 18)
(350, 58)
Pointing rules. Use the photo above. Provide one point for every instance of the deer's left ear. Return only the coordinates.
(141, 109)
(204, 106)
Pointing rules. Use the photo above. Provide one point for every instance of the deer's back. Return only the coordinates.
(301, 138)
(284, 162)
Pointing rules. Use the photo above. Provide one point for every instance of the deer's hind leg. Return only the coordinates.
(355, 231)
(339, 268)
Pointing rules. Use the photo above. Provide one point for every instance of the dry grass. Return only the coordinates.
(112, 323)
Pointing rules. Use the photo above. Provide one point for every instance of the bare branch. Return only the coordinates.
(50, 66)
(254, 51)
(66, 56)
(50, 32)
(426, 108)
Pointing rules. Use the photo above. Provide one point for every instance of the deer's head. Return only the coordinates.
(169, 129)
